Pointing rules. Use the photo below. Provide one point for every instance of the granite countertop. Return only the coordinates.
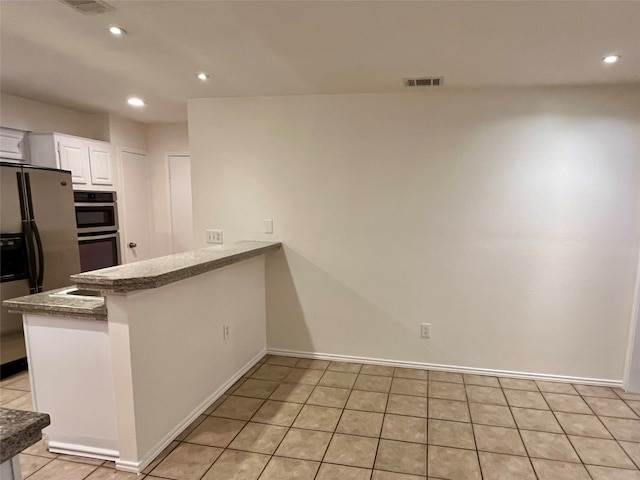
(160, 271)
(19, 430)
(61, 306)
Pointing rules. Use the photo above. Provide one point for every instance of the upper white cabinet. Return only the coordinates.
(90, 161)
(13, 145)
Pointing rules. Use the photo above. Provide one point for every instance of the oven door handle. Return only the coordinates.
(98, 237)
(95, 204)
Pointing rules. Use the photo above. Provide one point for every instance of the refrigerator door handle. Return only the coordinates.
(28, 236)
(36, 233)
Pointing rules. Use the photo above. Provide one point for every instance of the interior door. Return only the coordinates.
(181, 202)
(135, 207)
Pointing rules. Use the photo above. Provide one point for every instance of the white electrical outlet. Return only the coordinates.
(225, 332)
(268, 226)
(425, 330)
(214, 236)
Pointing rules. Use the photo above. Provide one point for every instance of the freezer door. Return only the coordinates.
(53, 211)
(10, 218)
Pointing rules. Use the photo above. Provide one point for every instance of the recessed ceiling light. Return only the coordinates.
(202, 76)
(136, 102)
(117, 31)
(611, 58)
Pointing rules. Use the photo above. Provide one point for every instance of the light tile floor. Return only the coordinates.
(291, 418)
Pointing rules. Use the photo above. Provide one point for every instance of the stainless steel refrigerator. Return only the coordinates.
(38, 245)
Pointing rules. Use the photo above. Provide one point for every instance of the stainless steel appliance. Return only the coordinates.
(38, 242)
(97, 223)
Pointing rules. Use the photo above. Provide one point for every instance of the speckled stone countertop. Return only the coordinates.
(60, 306)
(160, 271)
(19, 430)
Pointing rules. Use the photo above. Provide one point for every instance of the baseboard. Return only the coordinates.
(446, 368)
(137, 467)
(83, 451)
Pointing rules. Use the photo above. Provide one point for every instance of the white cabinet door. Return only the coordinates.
(74, 156)
(100, 164)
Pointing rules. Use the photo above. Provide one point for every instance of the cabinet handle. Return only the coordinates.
(132, 245)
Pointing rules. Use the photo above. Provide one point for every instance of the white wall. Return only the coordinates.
(507, 218)
(124, 132)
(163, 138)
(30, 115)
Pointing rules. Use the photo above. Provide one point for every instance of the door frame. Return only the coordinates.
(167, 166)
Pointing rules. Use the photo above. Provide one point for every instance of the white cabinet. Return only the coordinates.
(90, 161)
(13, 145)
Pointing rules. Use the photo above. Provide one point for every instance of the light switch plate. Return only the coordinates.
(214, 236)
(268, 226)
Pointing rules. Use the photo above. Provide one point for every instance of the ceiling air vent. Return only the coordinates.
(88, 7)
(424, 82)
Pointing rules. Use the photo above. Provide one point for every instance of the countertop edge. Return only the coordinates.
(20, 430)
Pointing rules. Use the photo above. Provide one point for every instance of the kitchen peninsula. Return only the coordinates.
(122, 375)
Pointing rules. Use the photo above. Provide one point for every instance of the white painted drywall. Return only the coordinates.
(124, 132)
(169, 356)
(507, 218)
(33, 116)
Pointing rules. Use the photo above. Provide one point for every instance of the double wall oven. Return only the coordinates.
(97, 222)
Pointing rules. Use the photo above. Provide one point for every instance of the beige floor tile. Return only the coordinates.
(447, 391)
(634, 405)
(163, 454)
(238, 408)
(550, 446)
(235, 386)
(556, 387)
(367, 401)
(610, 407)
(259, 438)
(304, 376)
(59, 469)
(373, 383)
(402, 457)
(505, 467)
(561, 402)
(605, 473)
(280, 468)
(187, 462)
(329, 471)
(318, 418)
(626, 395)
(367, 424)
(216, 404)
(553, 470)
(345, 367)
(518, 384)
(352, 451)
(313, 364)
(337, 379)
(406, 429)
(409, 386)
(380, 370)
(451, 434)
(215, 432)
(623, 428)
(19, 383)
(277, 413)
(449, 410)
(187, 431)
(595, 391)
(453, 463)
(479, 394)
(292, 392)
(525, 399)
(540, 420)
(633, 450)
(252, 370)
(275, 373)
(380, 475)
(13, 378)
(40, 449)
(496, 415)
(407, 405)
(583, 425)
(329, 397)
(304, 444)
(23, 402)
(450, 377)
(31, 463)
(412, 373)
(282, 360)
(87, 461)
(481, 380)
(237, 466)
(498, 440)
(7, 395)
(256, 388)
(102, 473)
(598, 451)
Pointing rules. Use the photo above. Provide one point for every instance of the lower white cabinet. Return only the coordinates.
(90, 161)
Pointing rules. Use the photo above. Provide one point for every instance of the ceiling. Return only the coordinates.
(51, 53)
